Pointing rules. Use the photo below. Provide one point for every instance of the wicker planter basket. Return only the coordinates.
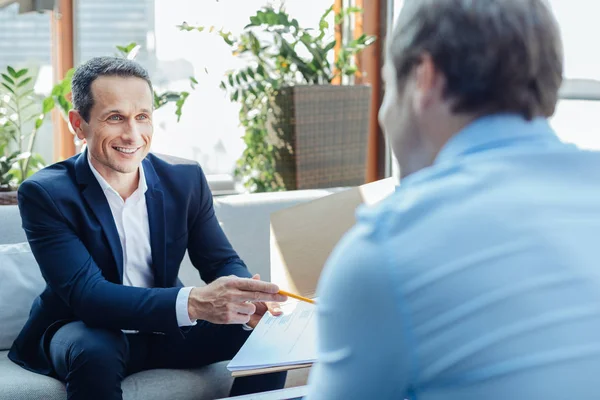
(321, 133)
(8, 198)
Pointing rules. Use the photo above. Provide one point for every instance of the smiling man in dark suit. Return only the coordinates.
(109, 229)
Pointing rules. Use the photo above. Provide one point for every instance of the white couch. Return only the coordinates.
(245, 220)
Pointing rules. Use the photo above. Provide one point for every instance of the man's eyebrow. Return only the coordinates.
(108, 112)
(117, 111)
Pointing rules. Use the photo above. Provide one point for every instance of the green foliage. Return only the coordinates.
(7, 178)
(22, 114)
(60, 96)
(279, 52)
(129, 51)
(178, 98)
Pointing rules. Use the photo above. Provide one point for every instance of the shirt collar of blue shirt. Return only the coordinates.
(494, 131)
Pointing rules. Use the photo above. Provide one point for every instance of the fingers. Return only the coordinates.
(261, 308)
(253, 285)
(274, 309)
(236, 313)
(244, 308)
(242, 296)
(237, 318)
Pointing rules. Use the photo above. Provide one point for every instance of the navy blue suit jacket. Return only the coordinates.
(74, 239)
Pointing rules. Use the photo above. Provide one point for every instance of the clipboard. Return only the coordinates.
(259, 371)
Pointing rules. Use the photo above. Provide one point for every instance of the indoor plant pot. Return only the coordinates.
(320, 134)
(8, 198)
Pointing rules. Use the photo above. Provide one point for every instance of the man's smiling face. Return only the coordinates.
(119, 130)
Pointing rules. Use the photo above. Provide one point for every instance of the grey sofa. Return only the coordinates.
(245, 220)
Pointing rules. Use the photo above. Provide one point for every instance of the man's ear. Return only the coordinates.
(429, 83)
(77, 123)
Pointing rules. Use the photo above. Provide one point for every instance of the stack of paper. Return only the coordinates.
(285, 342)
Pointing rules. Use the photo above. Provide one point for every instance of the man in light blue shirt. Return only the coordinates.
(479, 279)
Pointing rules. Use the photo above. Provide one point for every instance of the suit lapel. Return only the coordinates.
(96, 200)
(156, 219)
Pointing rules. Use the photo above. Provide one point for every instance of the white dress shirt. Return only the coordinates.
(131, 219)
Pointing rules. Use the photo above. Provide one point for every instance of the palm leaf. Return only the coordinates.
(24, 82)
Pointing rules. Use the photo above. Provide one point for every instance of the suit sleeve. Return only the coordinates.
(209, 249)
(361, 336)
(70, 271)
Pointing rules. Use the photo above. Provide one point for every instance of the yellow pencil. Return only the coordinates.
(295, 296)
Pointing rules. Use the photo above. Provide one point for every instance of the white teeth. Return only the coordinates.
(124, 150)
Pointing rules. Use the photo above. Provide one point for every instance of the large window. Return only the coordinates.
(25, 42)
(209, 130)
(575, 120)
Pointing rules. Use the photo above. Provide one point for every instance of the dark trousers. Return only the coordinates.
(93, 362)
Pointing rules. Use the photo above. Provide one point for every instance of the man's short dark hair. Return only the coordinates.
(87, 73)
(496, 55)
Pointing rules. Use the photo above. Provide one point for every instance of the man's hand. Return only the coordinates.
(230, 300)
(262, 308)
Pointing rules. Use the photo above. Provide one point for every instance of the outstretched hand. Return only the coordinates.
(232, 300)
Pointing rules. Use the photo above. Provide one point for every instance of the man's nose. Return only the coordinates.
(132, 131)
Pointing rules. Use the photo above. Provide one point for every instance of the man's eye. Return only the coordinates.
(142, 116)
(114, 117)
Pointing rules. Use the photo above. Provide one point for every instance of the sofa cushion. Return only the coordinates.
(19, 384)
(211, 382)
(20, 283)
(11, 230)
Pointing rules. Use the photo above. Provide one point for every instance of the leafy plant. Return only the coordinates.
(279, 52)
(60, 96)
(7, 178)
(22, 114)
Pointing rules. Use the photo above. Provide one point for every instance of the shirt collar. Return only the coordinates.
(106, 186)
(493, 131)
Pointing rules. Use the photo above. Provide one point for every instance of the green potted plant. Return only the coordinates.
(300, 130)
(22, 113)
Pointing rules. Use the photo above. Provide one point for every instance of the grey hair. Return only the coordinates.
(496, 55)
(87, 73)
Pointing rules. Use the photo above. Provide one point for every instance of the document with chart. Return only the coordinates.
(286, 340)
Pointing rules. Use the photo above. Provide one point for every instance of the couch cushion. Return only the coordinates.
(19, 384)
(210, 382)
(20, 283)
(11, 230)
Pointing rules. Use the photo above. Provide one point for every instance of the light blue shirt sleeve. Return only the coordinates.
(181, 307)
(361, 342)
